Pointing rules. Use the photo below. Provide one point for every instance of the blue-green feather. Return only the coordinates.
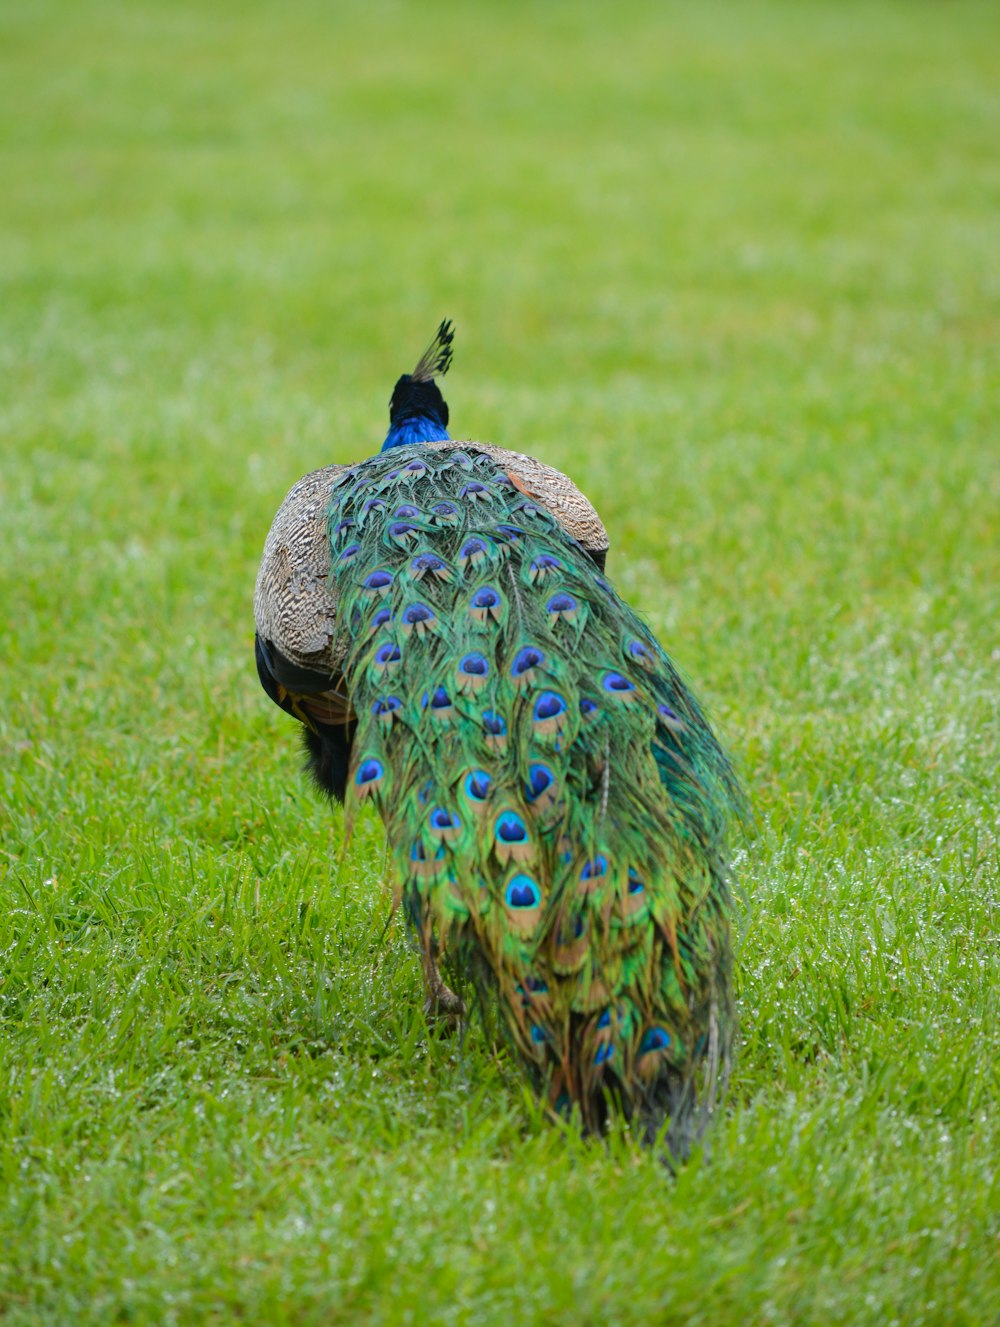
(555, 801)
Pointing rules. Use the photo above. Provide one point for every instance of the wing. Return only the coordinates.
(295, 613)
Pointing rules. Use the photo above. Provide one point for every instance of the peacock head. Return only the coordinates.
(416, 395)
(412, 398)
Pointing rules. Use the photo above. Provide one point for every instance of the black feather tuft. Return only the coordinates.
(436, 359)
(328, 757)
(328, 745)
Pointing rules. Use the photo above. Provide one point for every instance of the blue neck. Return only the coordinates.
(416, 428)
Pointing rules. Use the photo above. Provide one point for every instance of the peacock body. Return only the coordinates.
(554, 799)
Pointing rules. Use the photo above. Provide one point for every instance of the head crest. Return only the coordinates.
(436, 359)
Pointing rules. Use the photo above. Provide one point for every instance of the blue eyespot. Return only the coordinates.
(526, 659)
(593, 870)
(426, 562)
(522, 892)
(654, 1039)
(616, 682)
(477, 785)
(474, 665)
(540, 779)
(549, 705)
(511, 828)
(545, 562)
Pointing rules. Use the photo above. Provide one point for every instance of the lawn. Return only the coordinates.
(736, 268)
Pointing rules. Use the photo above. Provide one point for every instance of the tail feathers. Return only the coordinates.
(552, 795)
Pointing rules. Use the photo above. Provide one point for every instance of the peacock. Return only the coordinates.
(439, 620)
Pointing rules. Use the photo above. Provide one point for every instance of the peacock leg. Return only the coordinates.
(440, 1001)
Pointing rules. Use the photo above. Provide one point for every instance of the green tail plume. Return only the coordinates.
(554, 799)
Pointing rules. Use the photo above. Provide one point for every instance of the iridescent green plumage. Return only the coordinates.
(554, 799)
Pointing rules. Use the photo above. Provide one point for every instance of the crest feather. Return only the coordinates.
(436, 359)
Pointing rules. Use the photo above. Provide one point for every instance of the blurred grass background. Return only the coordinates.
(735, 268)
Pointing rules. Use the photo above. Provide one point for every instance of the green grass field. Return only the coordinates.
(737, 269)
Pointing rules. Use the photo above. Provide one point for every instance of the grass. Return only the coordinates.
(735, 268)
